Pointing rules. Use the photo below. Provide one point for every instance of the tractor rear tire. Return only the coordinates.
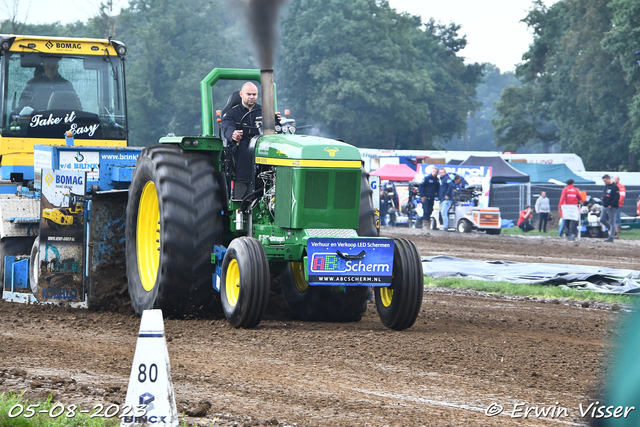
(245, 281)
(368, 224)
(173, 222)
(327, 303)
(399, 304)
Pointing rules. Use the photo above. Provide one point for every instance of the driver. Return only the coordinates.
(45, 81)
(239, 125)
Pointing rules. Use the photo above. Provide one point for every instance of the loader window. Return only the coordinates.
(44, 96)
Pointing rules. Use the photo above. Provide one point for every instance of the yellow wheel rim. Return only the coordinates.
(386, 295)
(297, 268)
(148, 236)
(232, 283)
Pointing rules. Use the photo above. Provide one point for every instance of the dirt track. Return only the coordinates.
(465, 352)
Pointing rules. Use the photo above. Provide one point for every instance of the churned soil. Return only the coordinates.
(466, 351)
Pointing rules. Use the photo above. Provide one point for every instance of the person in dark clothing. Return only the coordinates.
(446, 199)
(45, 82)
(428, 192)
(610, 199)
(239, 126)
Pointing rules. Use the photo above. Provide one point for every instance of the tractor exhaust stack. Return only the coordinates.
(268, 103)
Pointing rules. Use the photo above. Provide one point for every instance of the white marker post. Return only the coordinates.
(150, 381)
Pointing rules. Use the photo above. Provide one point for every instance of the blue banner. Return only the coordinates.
(353, 262)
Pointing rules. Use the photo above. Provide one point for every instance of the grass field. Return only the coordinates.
(624, 234)
(537, 291)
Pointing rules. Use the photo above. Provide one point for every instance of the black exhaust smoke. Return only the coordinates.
(263, 22)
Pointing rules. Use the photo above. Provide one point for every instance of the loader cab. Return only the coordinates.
(50, 86)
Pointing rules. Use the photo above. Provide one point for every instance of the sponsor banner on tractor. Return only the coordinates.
(353, 262)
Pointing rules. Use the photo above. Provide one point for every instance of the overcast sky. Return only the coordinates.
(493, 28)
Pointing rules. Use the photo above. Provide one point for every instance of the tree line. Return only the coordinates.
(354, 70)
(579, 86)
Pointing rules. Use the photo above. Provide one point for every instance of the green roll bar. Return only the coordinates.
(207, 97)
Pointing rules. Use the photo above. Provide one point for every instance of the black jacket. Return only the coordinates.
(241, 118)
(611, 196)
(429, 187)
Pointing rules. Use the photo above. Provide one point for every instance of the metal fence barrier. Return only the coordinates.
(512, 198)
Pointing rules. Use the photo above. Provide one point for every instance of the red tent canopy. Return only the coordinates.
(395, 173)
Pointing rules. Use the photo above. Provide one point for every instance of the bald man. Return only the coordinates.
(239, 126)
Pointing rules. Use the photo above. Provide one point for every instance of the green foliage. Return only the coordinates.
(575, 92)
(359, 70)
(480, 132)
(541, 291)
(362, 72)
(172, 46)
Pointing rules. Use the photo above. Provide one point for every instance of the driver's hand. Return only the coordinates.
(237, 135)
(423, 198)
(278, 115)
(446, 197)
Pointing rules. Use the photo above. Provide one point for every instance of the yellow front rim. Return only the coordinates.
(386, 295)
(232, 283)
(297, 268)
(148, 236)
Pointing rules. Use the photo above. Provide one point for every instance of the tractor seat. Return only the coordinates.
(234, 99)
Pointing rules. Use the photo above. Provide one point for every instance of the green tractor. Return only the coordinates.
(306, 213)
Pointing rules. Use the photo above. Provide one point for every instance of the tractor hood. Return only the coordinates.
(303, 150)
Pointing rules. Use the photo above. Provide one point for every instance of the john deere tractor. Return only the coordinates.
(306, 213)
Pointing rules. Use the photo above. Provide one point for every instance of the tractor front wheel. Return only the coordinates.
(244, 286)
(399, 304)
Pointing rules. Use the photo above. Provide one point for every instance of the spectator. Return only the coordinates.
(524, 220)
(570, 196)
(543, 208)
(446, 198)
(459, 182)
(429, 190)
(623, 194)
(610, 200)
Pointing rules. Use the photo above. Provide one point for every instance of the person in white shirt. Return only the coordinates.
(543, 208)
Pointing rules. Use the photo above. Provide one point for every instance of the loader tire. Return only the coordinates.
(245, 282)
(173, 222)
(330, 303)
(399, 304)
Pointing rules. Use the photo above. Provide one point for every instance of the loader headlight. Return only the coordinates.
(278, 128)
(186, 143)
(122, 50)
(292, 129)
(5, 45)
(195, 143)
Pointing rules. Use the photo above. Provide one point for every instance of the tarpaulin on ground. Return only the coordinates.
(599, 279)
